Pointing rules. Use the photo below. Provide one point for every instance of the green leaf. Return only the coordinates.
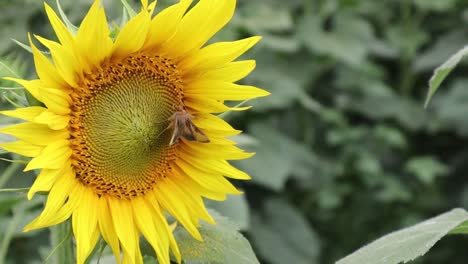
(460, 229)
(435, 5)
(409, 243)
(270, 150)
(235, 208)
(441, 72)
(450, 108)
(426, 168)
(282, 235)
(223, 243)
(349, 41)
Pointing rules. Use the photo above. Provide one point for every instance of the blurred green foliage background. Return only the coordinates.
(345, 150)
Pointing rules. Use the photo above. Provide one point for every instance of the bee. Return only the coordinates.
(182, 125)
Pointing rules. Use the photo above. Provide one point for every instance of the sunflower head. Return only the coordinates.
(129, 130)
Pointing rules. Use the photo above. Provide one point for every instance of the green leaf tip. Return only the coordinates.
(409, 243)
(70, 26)
(441, 72)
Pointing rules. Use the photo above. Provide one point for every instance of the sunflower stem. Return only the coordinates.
(62, 244)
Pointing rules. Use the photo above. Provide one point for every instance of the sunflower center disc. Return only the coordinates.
(120, 117)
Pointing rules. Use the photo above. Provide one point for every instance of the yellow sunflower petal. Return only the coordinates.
(45, 70)
(84, 223)
(220, 90)
(231, 72)
(199, 25)
(42, 135)
(22, 148)
(31, 86)
(56, 100)
(207, 105)
(210, 121)
(145, 223)
(209, 181)
(45, 180)
(219, 166)
(218, 54)
(176, 207)
(53, 211)
(94, 30)
(26, 113)
(193, 202)
(132, 36)
(188, 183)
(212, 151)
(164, 24)
(52, 157)
(162, 225)
(107, 227)
(122, 217)
(52, 120)
(64, 61)
(63, 34)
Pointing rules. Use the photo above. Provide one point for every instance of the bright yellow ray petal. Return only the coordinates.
(164, 25)
(210, 121)
(52, 120)
(151, 7)
(94, 29)
(107, 227)
(26, 113)
(122, 217)
(161, 224)
(22, 148)
(46, 179)
(208, 179)
(219, 166)
(64, 61)
(60, 191)
(144, 220)
(187, 182)
(62, 214)
(231, 72)
(31, 86)
(42, 135)
(54, 156)
(45, 70)
(84, 223)
(144, 4)
(199, 25)
(63, 34)
(212, 151)
(220, 90)
(175, 207)
(208, 105)
(132, 36)
(217, 54)
(193, 200)
(56, 100)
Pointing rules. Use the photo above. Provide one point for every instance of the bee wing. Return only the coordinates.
(177, 133)
(196, 134)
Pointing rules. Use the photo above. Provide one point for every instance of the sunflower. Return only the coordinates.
(128, 130)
